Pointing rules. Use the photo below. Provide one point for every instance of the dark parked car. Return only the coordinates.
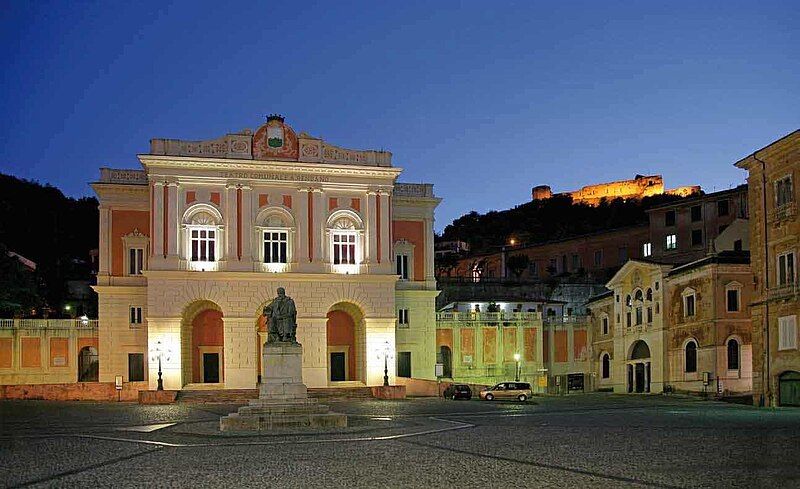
(458, 391)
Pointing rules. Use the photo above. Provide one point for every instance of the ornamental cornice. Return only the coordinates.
(234, 166)
(261, 276)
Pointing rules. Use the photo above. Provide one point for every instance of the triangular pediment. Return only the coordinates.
(632, 267)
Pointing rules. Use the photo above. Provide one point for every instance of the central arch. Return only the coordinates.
(345, 333)
(638, 367)
(202, 343)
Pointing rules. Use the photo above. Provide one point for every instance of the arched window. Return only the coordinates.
(445, 357)
(649, 295)
(638, 295)
(733, 354)
(628, 301)
(202, 225)
(690, 361)
(275, 237)
(345, 251)
(606, 366)
(87, 364)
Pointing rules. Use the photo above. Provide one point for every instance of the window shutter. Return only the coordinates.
(787, 333)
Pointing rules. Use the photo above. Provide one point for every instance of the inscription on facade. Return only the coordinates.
(296, 177)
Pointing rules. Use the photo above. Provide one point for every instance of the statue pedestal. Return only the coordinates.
(283, 400)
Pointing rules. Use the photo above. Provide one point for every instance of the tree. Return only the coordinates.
(19, 293)
(518, 263)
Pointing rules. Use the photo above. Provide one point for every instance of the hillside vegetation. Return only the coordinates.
(546, 220)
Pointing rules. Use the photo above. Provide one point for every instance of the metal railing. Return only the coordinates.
(784, 291)
(487, 316)
(48, 323)
(783, 212)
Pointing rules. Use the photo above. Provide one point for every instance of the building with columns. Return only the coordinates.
(195, 244)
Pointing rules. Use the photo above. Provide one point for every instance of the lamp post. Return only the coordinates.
(159, 352)
(386, 352)
(516, 359)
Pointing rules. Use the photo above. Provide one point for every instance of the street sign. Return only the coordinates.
(439, 370)
(118, 382)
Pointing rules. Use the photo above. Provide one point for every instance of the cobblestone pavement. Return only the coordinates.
(593, 440)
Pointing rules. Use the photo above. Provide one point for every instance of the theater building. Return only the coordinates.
(195, 244)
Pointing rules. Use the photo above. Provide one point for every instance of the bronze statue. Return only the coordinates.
(281, 315)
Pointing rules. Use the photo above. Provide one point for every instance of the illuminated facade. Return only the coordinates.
(193, 247)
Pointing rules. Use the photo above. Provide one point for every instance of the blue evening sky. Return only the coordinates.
(483, 99)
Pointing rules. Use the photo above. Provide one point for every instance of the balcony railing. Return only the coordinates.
(784, 291)
(783, 212)
(48, 323)
(486, 317)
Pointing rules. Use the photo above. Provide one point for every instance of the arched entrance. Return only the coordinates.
(202, 344)
(88, 370)
(638, 367)
(346, 338)
(789, 389)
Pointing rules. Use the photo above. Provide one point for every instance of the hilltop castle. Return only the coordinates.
(640, 186)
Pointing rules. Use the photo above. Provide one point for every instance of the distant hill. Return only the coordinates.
(57, 232)
(545, 220)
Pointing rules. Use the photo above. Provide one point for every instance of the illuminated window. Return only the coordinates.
(647, 249)
(404, 259)
(203, 243)
(344, 228)
(135, 245)
(276, 246)
(672, 242)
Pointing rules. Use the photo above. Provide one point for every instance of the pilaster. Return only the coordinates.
(371, 246)
(104, 268)
(157, 242)
(301, 224)
(318, 225)
(386, 246)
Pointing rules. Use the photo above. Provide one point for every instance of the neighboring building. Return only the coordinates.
(593, 256)
(709, 332)
(194, 246)
(443, 248)
(685, 328)
(477, 342)
(641, 186)
(773, 173)
(681, 232)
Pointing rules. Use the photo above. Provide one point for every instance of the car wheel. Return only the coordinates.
(522, 398)
(489, 397)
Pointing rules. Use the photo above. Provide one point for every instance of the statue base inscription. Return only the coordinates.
(283, 400)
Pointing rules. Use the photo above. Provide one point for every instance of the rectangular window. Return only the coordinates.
(402, 318)
(533, 269)
(276, 244)
(697, 237)
(785, 269)
(669, 218)
(136, 315)
(647, 249)
(553, 270)
(688, 305)
(623, 255)
(598, 258)
(576, 261)
(784, 193)
(203, 243)
(787, 333)
(404, 364)
(135, 367)
(723, 207)
(605, 325)
(672, 242)
(649, 315)
(135, 261)
(733, 300)
(697, 213)
(639, 315)
(628, 319)
(344, 249)
(402, 266)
